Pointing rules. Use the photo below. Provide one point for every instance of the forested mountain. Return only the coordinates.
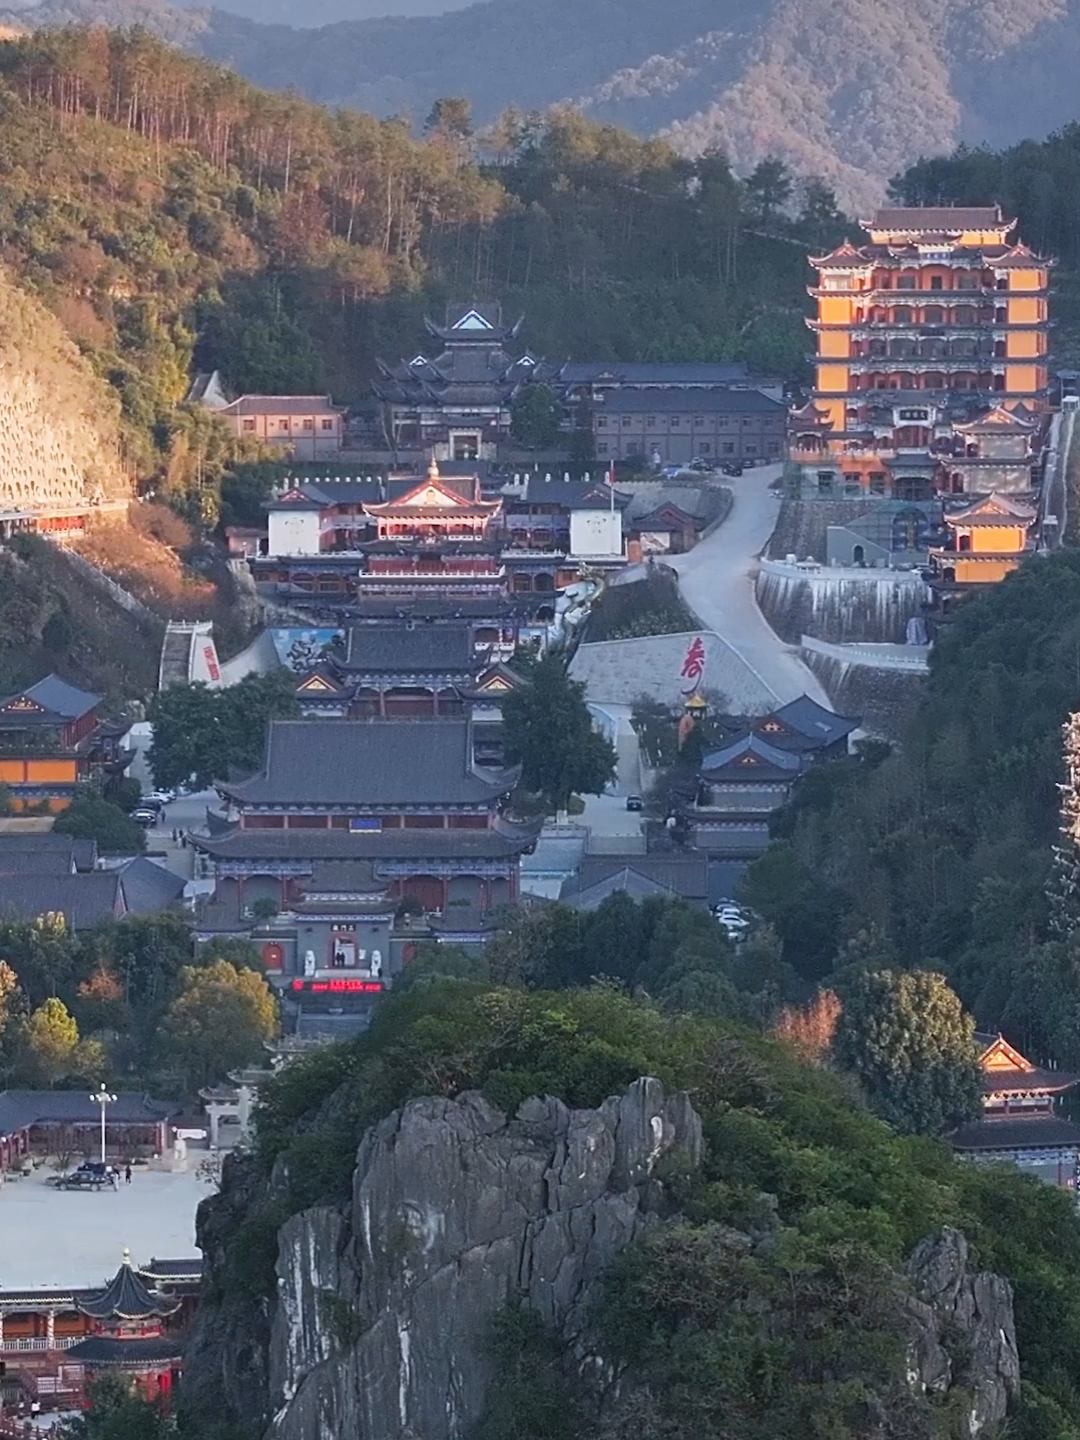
(853, 90)
(172, 215)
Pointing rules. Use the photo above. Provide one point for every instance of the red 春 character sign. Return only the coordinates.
(693, 666)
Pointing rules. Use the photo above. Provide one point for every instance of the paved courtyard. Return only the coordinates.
(56, 1237)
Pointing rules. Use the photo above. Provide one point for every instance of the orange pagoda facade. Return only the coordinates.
(939, 320)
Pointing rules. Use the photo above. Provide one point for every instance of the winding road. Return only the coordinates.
(717, 582)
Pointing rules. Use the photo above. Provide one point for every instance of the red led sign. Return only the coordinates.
(353, 987)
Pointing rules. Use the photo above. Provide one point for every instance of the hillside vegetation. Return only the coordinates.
(172, 215)
(852, 90)
(803, 1337)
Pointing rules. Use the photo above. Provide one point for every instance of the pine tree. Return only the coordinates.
(1063, 887)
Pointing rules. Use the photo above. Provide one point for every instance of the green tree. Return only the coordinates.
(116, 1411)
(450, 116)
(906, 1037)
(534, 417)
(89, 817)
(200, 734)
(550, 733)
(219, 1020)
(769, 187)
(47, 1044)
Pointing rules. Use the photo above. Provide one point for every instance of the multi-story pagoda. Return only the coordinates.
(130, 1338)
(939, 319)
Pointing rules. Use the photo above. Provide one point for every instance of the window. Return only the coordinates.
(650, 421)
(601, 447)
(248, 424)
(309, 424)
(902, 315)
(283, 425)
(706, 448)
(699, 419)
(774, 447)
(936, 283)
(328, 424)
(905, 282)
(750, 449)
(676, 421)
(933, 315)
(626, 419)
(601, 422)
(728, 448)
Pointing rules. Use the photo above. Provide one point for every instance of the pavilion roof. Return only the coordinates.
(126, 1297)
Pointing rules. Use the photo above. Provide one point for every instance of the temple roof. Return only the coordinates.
(946, 219)
(751, 758)
(435, 498)
(372, 762)
(804, 725)
(51, 701)
(126, 1297)
(1000, 419)
(127, 1352)
(1005, 1071)
(282, 405)
(999, 511)
(389, 648)
(374, 845)
(1031, 1132)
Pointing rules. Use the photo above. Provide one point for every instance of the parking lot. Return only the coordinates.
(52, 1237)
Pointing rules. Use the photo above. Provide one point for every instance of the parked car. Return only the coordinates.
(635, 802)
(90, 1175)
(158, 799)
(732, 468)
(701, 466)
(672, 472)
(145, 816)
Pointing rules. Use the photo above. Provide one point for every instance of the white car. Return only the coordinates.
(159, 797)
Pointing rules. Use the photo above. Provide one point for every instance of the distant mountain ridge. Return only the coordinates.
(853, 90)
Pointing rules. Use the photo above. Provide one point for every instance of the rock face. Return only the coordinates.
(58, 422)
(963, 1330)
(383, 1312)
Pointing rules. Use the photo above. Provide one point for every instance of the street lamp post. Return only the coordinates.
(102, 1098)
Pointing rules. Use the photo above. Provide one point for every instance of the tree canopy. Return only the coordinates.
(550, 732)
(202, 734)
(906, 1037)
(219, 1020)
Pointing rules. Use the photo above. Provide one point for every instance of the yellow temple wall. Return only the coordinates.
(833, 378)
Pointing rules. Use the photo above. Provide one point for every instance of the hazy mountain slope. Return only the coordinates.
(850, 89)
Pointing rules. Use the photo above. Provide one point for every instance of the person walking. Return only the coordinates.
(127, 1173)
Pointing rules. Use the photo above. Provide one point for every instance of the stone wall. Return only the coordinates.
(884, 697)
(839, 605)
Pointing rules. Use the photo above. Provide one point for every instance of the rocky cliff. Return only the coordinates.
(380, 1322)
(58, 422)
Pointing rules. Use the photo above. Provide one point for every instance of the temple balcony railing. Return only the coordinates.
(20, 1345)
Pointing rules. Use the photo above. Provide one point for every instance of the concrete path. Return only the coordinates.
(606, 815)
(717, 581)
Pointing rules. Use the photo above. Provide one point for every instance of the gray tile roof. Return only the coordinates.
(567, 494)
(726, 402)
(932, 217)
(627, 881)
(1030, 1132)
(753, 758)
(389, 648)
(808, 718)
(82, 852)
(149, 887)
(22, 1108)
(35, 862)
(684, 875)
(580, 372)
(283, 405)
(84, 900)
(371, 762)
(391, 844)
(63, 699)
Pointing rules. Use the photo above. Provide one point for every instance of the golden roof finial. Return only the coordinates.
(433, 468)
(127, 1256)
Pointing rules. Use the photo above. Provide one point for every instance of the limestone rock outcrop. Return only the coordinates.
(963, 1333)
